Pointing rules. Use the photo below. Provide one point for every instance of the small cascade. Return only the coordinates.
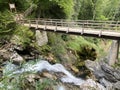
(42, 65)
(45, 65)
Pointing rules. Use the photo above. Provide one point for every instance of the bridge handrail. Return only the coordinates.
(67, 20)
(110, 25)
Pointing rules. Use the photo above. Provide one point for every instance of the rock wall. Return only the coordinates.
(41, 37)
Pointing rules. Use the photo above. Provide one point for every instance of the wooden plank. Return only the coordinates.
(87, 28)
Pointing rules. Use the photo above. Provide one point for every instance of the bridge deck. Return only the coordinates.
(99, 29)
(78, 31)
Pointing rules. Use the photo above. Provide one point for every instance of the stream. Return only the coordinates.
(11, 69)
(44, 65)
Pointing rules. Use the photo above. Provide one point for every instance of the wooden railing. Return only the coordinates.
(100, 25)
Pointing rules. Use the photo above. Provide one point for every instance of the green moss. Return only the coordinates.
(58, 46)
(84, 48)
(44, 50)
(78, 42)
(23, 36)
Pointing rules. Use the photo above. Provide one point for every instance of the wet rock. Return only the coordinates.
(48, 75)
(116, 86)
(16, 58)
(61, 88)
(4, 54)
(91, 85)
(105, 83)
(50, 58)
(74, 69)
(106, 75)
(32, 77)
(8, 55)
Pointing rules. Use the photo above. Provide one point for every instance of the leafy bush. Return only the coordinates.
(7, 25)
(85, 49)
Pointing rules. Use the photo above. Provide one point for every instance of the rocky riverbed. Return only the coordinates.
(106, 75)
(56, 72)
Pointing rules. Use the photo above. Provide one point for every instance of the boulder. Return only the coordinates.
(10, 55)
(116, 86)
(15, 57)
(105, 74)
(41, 38)
(91, 85)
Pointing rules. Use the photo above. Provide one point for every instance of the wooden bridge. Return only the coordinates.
(100, 29)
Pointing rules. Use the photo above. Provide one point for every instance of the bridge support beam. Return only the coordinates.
(113, 53)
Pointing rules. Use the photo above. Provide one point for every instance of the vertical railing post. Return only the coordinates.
(116, 25)
(87, 23)
(82, 29)
(68, 27)
(29, 23)
(55, 26)
(45, 25)
(51, 21)
(61, 22)
(101, 31)
(36, 24)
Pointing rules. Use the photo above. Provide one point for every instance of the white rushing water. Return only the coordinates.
(11, 69)
(45, 65)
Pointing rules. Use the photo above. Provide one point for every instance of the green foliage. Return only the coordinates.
(55, 8)
(111, 9)
(86, 10)
(85, 49)
(67, 6)
(23, 36)
(6, 21)
(7, 25)
(21, 5)
(77, 9)
(45, 85)
(21, 82)
(79, 42)
(4, 5)
(45, 49)
(58, 46)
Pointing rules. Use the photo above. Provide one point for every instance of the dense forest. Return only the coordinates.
(21, 65)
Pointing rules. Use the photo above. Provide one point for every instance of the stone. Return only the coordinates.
(15, 57)
(106, 83)
(113, 52)
(74, 69)
(117, 86)
(91, 85)
(32, 77)
(106, 75)
(48, 75)
(41, 37)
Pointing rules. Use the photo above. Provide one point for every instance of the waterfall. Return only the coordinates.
(11, 69)
(45, 65)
